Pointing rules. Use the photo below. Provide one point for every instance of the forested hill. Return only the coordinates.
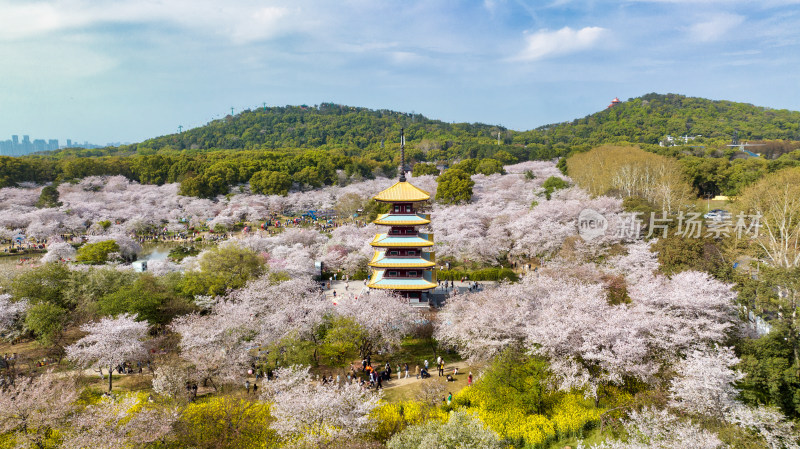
(648, 119)
(328, 124)
(644, 120)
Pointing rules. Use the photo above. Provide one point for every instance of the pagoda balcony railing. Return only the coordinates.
(403, 276)
(409, 232)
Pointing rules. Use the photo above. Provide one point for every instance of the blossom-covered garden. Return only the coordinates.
(629, 338)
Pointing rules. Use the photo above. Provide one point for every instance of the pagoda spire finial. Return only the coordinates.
(402, 155)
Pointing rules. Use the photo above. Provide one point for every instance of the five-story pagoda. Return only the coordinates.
(401, 262)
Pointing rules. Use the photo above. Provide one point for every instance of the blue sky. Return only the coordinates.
(125, 70)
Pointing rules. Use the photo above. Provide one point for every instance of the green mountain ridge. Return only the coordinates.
(646, 120)
(307, 145)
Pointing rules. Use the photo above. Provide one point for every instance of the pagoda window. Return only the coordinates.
(392, 274)
(394, 253)
(408, 208)
(412, 274)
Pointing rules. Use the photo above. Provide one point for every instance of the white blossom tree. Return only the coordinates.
(386, 317)
(705, 382)
(10, 312)
(59, 251)
(170, 380)
(35, 409)
(766, 422)
(481, 325)
(110, 342)
(658, 429)
(564, 314)
(120, 422)
(261, 313)
(317, 414)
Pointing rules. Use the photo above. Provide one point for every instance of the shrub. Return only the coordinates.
(393, 417)
(225, 422)
(485, 274)
(97, 253)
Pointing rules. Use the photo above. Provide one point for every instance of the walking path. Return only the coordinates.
(463, 372)
(356, 288)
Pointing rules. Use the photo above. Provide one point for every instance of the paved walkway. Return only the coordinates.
(440, 294)
(463, 372)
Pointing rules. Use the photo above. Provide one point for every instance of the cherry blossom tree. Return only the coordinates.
(638, 264)
(40, 230)
(658, 429)
(59, 251)
(120, 422)
(110, 342)
(766, 422)
(481, 325)
(695, 309)
(33, 409)
(706, 385)
(170, 380)
(705, 382)
(261, 313)
(349, 248)
(317, 414)
(215, 344)
(10, 312)
(540, 170)
(564, 314)
(386, 317)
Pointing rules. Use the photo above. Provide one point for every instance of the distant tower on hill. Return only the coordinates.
(614, 102)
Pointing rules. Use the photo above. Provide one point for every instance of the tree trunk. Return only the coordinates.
(110, 371)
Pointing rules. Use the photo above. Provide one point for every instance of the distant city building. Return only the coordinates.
(15, 147)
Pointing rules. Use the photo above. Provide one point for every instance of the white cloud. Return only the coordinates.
(545, 43)
(240, 21)
(715, 27)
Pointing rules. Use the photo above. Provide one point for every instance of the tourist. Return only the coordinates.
(406, 368)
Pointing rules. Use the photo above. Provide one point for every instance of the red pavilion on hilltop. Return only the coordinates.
(614, 102)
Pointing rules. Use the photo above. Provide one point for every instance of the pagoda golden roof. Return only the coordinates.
(420, 240)
(402, 220)
(378, 281)
(402, 191)
(381, 260)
